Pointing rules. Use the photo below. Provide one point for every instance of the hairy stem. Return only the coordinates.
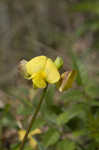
(33, 119)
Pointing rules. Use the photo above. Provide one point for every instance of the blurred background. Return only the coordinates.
(50, 28)
(67, 28)
(47, 27)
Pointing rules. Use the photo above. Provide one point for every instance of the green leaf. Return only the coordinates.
(39, 122)
(72, 112)
(92, 88)
(64, 118)
(66, 144)
(79, 133)
(21, 110)
(49, 116)
(74, 95)
(51, 137)
(78, 65)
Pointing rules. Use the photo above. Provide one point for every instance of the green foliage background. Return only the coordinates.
(68, 120)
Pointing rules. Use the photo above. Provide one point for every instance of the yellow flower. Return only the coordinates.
(41, 70)
(32, 141)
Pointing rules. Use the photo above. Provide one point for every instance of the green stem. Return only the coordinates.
(33, 119)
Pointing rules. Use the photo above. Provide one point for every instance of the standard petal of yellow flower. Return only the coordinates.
(39, 81)
(21, 134)
(67, 80)
(35, 65)
(33, 142)
(52, 74)
(34, 132)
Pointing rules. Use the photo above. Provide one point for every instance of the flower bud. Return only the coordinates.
(67, 79)
(58, 62)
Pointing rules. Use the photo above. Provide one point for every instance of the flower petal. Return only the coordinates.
(32, 142)
(52, 74)
(34, 132)
(67, 80)
(36, 64)
(39, 82)
(21, 134)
